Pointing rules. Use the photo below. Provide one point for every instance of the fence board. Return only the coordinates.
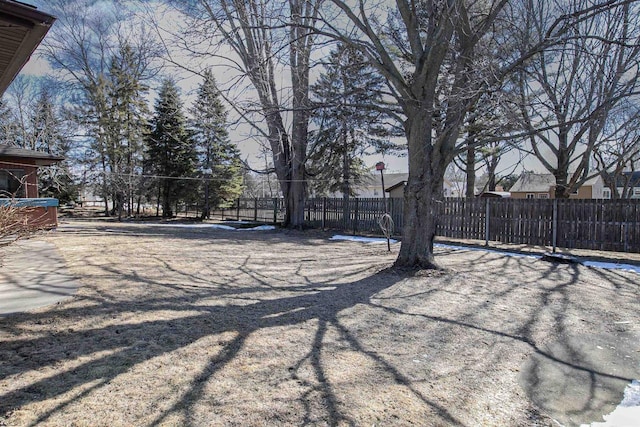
(612, 225)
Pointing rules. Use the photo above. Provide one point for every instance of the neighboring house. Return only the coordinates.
(629, 182)
(449, 188)
(456, 188)
(371, 185)
(19, 182)
(22, 28)
(397, 190)
(542, 186)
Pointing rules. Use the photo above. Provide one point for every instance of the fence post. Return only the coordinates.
(487, 221)
(255, 209)
(625, 226)
(275, 210)
(391, 206)
(355, 218)
(324, 213)
(554, 225)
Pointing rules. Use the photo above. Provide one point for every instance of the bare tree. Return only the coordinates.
(617, 154)
(92, 47)
(269, 40)
(568, 93)
(429, 52)
(487, 131)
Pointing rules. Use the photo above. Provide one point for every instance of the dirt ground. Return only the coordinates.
(201, 327)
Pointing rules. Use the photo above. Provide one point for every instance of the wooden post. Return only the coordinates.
(555, 225)
(625, 226)
(255, 209)
(355, 217)
(238, 210)
(275, 210)
(487, 221)
(324, 213)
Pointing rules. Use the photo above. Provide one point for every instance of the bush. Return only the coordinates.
(15, 223)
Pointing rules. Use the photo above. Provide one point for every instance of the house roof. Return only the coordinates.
(495, 194)
(41, 158)
(22, 28)
(400, 184)
(632, 177)
(534, 183)
(530, 182)
(390, 180)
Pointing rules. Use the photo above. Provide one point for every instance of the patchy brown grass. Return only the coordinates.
(207, 327)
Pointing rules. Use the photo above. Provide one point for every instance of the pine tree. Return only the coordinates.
(218, 159)
(347, 94)
(7, 126)
(126, 127)
(47, 134)
(171, 153)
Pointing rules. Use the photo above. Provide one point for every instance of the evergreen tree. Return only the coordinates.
(7, 126)
(126, 127)
(347, 95)
(218, 159)
(171, 153)
(47, 133)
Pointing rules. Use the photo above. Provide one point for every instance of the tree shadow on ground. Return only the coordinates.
(106, 352)
(122, 341)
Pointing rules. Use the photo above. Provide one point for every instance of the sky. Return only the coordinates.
(241, 133)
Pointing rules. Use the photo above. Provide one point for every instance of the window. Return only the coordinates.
(606, 193)
(531, 196)
(11, 183)
(543, 195)
(636, 192)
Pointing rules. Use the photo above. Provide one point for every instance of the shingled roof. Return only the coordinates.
(629, 178)
(534, 183)
(41, 158)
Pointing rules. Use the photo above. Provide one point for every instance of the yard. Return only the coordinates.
(205, 327)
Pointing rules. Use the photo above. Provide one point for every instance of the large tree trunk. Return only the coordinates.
(296, 196)
(166, 200)
(423, 195)
(562, 171)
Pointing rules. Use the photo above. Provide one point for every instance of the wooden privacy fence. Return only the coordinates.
(611, 225)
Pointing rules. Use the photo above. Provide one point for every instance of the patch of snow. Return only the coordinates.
(612, 266)
(362, 239)
(216, 226)
(595, 264)
(258, 228)
(627, 413)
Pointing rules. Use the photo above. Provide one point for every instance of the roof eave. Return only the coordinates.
(37, 24)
